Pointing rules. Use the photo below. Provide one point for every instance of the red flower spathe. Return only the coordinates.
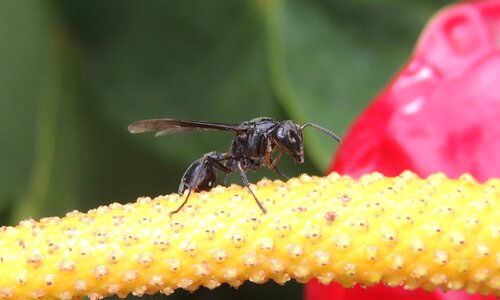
(441, 113)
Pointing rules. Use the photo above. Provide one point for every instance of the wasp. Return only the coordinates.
(252, 147)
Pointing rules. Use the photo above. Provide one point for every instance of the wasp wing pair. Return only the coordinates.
(172, 126)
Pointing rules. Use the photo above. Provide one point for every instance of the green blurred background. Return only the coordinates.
(74, 74)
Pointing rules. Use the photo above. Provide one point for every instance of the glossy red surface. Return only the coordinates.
(441, 113)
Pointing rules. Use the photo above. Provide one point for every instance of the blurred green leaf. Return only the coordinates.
(20, 36)
(27, 109)
(190, 60)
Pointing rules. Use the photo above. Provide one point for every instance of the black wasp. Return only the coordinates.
(251, 148)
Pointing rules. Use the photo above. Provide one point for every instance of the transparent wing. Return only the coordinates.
(171, 126)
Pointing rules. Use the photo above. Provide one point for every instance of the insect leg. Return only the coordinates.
(247, 184)
(224, 179)
(274, 163)
(215, 163)
(222, 167)
(274, 166)
(227, 170)
(268, 159)
(183, 203)
(278, 171)
(269, 148)
(200, 175)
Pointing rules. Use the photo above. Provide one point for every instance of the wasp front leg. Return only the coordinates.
(269, 151)
(274, 166)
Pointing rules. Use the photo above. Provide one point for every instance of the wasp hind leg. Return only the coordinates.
(201, 175)
(183, 203)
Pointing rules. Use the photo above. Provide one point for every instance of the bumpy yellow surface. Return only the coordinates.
(432, 233)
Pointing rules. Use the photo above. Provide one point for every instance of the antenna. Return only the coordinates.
(328, 132)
